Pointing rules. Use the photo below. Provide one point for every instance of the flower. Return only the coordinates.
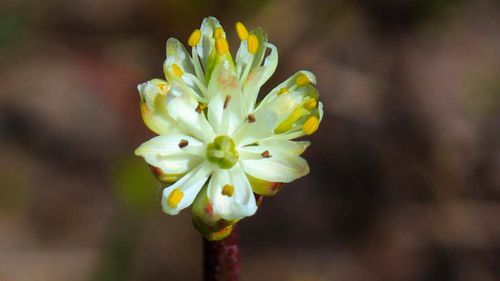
(217, 146)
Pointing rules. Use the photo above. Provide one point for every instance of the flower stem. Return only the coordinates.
(221, 259)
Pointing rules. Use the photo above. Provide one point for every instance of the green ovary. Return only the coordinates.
(223, 152)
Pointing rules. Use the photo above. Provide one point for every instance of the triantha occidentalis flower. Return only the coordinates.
(217, 146)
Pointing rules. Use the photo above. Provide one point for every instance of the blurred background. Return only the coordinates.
(405, 178)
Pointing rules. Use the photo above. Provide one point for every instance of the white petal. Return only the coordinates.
(153, 94)
(288, 83)
(190, 185)
(206, 48)
(258, 76)
(243, 57)
(168, 145)
(320, 109)
(282, 166)
(181, 108)
(164, 152)
(284, 146)
(177, 54)
(241, 203)
(225, 109)
(267, 118)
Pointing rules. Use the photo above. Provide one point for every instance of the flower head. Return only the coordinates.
(217, 145)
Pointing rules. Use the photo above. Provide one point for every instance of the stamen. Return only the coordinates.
(241, 30)
(163, 88)
(253, 44)
(228, 190)
(194, 38)
(183, 143)
(282, 91)
(251, 118)
(265, 154)
(311, 125)
(174, 198)
(310, 103)
(221, 45)
(201, 106)
(177, 70)
(226, 101)
(197, 81)
(218, 32)
(302, 80)
(288, 123)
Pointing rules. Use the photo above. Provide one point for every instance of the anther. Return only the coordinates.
(183, 143)
(218, 32)
(163, 88)
(302, 80)
(177, 70)
(201, 106)
(251, 118)
(228, 190)
(253, 44)
(310, 103)
(241, 30)
(174, 198)
(311, 125)
(226, 101)
(194, 38)
(265, 154)
(221, 45)
(282, 91)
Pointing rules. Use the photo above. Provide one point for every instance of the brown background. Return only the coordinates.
(405, 181)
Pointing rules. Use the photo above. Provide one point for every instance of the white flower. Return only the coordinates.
(217, 146)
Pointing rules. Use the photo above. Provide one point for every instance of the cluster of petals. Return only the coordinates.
(218, 147)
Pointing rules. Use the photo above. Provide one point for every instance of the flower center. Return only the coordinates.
(223, 152)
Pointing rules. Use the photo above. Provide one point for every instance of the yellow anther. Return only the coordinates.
(302, 80)
(282, 91)
(253, 44)
(241, 30)
(218, 32)
(194, 38)
(288, 123)
(177, 70)
(174, 198)
(310, 103)
(228, 190)
(221, 45)
(311, 125)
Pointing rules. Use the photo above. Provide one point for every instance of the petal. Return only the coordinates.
(182, 108)
(244, 57)
(206, 47)
(278, 166)
(266, 118)
(285, 146)
(289, 107)
(258, 76)
(288, 83)
(153, 94)
(225, 109)
(165, 152)
(178, 57)
(189, 185)
(238, 205)
(171, 144)
(209, 223)
(177, 54)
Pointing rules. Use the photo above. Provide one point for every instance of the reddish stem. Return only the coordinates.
(221, 259)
